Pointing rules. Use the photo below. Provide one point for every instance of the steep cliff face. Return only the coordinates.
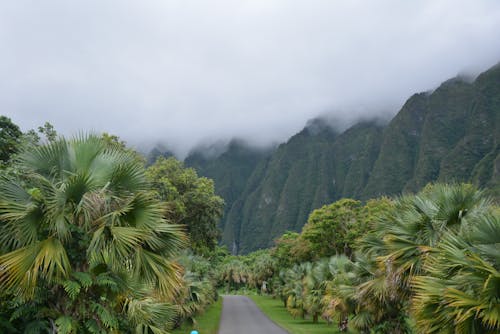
(230, 170)
(395, 164)
(288, 186)
(451, 134)
(485, 131)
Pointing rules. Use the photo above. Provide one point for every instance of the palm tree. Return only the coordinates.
(294, 289)
(461, 288)
(262, 269)
(196, 293)
(337, 301)
(198, 288)
(280, 286)
(418, 223)
(380, 305)
(400, 246)
(314, 287)
(80, 222)
(234, 274)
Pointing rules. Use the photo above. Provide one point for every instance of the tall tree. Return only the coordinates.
(188, 200)
(332, 229)
(291, 249)
(48, 131)
(461, 287)
(10, 136)
(337, 302)
(398, 249)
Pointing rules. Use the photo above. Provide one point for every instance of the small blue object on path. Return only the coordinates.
(194, 332)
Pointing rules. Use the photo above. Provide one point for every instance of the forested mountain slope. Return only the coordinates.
(230, 170)
(450, 134)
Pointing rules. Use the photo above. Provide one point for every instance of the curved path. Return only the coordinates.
(240, 315)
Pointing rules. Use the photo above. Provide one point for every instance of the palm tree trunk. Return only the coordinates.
(343, 323)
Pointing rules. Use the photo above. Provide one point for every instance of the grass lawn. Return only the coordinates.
(274, 309)
(206, 323)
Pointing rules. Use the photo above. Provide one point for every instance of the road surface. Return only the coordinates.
(240, 315)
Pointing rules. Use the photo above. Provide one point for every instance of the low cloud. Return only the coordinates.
(190, 72)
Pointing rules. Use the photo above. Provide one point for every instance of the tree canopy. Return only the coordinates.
(189, 200)
(10, 137)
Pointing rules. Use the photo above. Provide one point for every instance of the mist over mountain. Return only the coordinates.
(450, 134)
(187, 74)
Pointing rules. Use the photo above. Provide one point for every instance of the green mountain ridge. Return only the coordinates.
(231, 169)
(450, 134)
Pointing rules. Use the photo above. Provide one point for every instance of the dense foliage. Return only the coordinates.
(424, 263)
(10, 137)
(86, 244)
(189, 200)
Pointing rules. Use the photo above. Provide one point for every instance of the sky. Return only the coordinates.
(190, 72)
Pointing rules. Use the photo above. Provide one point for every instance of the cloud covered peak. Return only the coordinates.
(185, 73)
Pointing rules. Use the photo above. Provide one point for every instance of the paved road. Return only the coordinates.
(240, 315)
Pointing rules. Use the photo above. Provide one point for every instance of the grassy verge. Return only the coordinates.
(206, 323)
(274, 309)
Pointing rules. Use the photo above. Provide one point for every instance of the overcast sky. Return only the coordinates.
(185, 72)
